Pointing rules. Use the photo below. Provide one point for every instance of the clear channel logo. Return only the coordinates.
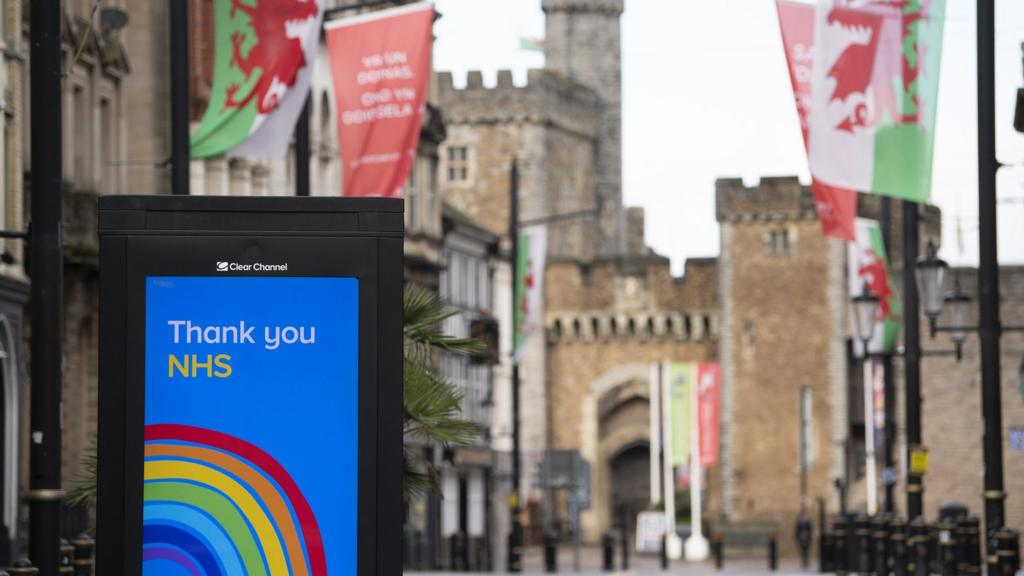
(254, 267)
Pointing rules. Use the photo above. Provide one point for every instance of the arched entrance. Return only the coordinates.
(631, 485)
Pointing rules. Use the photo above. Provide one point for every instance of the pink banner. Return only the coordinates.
(708, 400)
(380, 63)
(837, 207)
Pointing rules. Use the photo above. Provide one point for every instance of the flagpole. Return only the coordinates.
(515, 537)
(871, 479)
(179, 96)
(655, 431)
(696, 544)
(672, 543)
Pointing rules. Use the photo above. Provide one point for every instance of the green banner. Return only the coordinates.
(680, 379)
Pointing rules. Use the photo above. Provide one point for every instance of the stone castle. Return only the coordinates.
(772, 309)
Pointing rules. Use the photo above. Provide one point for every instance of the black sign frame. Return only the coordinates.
(144, 236)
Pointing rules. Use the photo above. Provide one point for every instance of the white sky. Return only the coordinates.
(706, 94)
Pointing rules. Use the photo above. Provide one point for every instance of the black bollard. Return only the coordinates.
(67, 552)
(624, 541)
(947, 549)
(968, 546)
(84, 546)
(862, 544)
(917, 548)
(880, 544)
(898, 547)
(825, 551)
(23, 568)
(803, 532)
(608, 549)
(664, 551)
(773, 553)
(550, 552)
(718, 550)
(839, 544)
(1006, 542)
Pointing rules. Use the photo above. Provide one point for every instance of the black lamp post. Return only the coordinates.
(866, 310)
(931, 272)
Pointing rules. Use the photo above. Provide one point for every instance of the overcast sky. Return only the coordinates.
(706, 94)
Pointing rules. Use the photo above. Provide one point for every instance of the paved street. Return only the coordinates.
(590, 564)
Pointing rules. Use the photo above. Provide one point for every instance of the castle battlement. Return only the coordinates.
(609, 7)
(547, 98)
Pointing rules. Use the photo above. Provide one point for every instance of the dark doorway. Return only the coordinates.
(631, 485)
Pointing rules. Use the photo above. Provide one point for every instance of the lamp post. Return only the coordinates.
(865, 312)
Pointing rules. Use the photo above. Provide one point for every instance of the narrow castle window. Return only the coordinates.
(458, 164)
(777, 243)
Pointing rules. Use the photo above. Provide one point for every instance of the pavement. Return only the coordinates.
(644, 565)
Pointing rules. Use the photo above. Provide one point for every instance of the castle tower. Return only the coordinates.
(583, 43)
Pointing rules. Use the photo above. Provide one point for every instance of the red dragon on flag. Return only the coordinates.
(263, 62)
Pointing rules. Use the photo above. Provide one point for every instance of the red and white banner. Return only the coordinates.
(380, 63)
(708, 401)
(837, 207)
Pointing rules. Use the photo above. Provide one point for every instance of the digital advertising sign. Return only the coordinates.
(250, 387)
(233, 483)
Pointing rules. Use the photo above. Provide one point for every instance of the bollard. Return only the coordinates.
(83, 562)
(23, 568)
(968, 544)
(66, 553)
(664, 551)
(804, 534)
(898, 547)
(917, 548)
(550, 552)
(717, 549)
(839, 555)
(825, 546)
(933, 549)
(608, 549)
(773, 553)
(625, 549)
(946, 548)
(880, 544)
(862, 544)
(1006, 542)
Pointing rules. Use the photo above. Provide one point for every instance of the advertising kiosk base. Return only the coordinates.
(250, 401)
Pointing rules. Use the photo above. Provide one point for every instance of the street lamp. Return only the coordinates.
(931, 276)
(865, 316)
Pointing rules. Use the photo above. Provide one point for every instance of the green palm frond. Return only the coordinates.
(424, 315)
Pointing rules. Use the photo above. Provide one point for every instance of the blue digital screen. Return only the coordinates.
(251, 451)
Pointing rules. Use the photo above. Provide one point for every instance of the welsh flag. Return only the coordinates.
(875, 88)
(836, 207)
(264, 54)
(869, 267)
(533, 250)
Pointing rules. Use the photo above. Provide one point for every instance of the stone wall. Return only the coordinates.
(783, 331)
(582, 43)
(607, 323)
(550, 128)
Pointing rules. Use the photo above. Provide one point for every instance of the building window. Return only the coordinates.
(82, 138)
(777, 243)
(458, 164)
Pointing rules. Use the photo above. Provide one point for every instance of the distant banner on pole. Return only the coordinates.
(875, 88)
(264, 51)
(836, 207)
(680, 377)
(533, 250)
(869, 267)
(878, 403)
(708, 401)
(380, 63)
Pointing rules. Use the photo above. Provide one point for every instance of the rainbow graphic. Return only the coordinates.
(216, 505)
